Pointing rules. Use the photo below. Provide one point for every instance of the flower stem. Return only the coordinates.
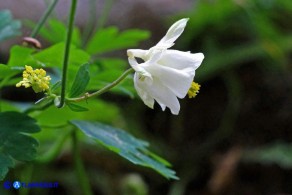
(90, 23)
(38, 108)
(104, 14)
(55, 150)
(67, 51)
(43, 19)
(26, 175)
(79, 167)
(105, 89)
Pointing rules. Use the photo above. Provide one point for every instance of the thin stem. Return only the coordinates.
(105, 89)
(79, 167)
(104, 14)
(37, 107)
(55, 150)
(43, 19)
(67, 51)
(26, 175)
(91, 22)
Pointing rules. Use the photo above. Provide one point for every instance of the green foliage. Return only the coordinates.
(104, 40)
(15, 143)
(55, 32)
(109, 39)
(49, 57)
(106, 70)
(19, 55)
(76, 108)
(81, 81)
(275, 153)
(53, 56)
(5, 164)
(8, 26)
(98, 110)
(55, 86)
(124, 144)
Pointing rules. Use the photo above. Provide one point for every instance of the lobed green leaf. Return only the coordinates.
(109, 39)
(15, 143)
(55, 32)
(125, 145)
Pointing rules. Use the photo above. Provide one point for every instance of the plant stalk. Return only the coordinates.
(67, 52)
(103, 90)
(79, 167)
(43, 19)
(55, 150)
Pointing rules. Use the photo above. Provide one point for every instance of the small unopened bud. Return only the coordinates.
(32, 42)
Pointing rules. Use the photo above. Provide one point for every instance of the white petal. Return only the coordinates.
(164, 96)
(147, 99)
(181, 60)
(172, 34)
(155, 55)
(178, 81)
(137, 67)
(137, 53)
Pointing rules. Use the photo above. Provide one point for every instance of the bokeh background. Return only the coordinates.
(233, 138)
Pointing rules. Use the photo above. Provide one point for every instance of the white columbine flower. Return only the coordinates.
(165, 74)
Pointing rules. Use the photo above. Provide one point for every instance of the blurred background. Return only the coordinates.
(234, 137)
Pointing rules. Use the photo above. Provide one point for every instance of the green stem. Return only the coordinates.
(26, 175)
(104, 14)
(79, 167)
(43, 19)
(91, 22)
(67, 51)
(103, 90)
(37, 107)
(55, 150)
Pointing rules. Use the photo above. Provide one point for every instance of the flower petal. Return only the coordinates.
(163, 95)
(178, 81)
(181, 60)
(172, 34)
(147, 99)
(137, 53)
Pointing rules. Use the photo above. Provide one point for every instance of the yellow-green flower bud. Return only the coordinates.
(36, 79)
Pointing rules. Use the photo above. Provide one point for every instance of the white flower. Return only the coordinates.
(165, 74)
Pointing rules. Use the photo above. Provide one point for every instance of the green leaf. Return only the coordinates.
(56, 86)
(105, 71)
(21, 147)
(53, 56)
(81, 81)
(109, 39)
(8, 26)
(15, 143)
(19, 55)
(125, 145)
(76, 108)
(7, 71)
(126, 87)
(5, 164)
(110, 112)
(55, 32)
